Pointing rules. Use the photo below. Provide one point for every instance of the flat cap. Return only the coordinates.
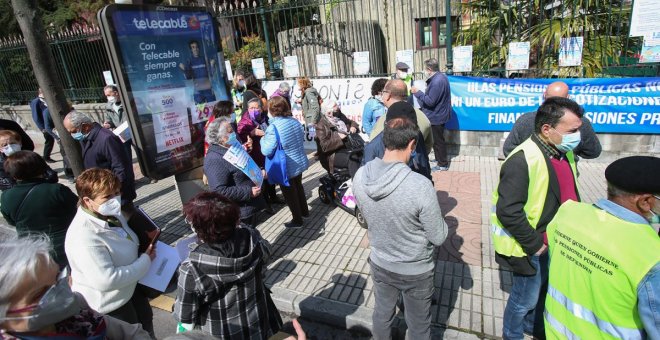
(402, 66)
(401, 109)
(635, 174)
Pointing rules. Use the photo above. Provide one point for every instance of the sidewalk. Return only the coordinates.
(321, 272)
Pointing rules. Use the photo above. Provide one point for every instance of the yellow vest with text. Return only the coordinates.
(597, 260)
(537, 190)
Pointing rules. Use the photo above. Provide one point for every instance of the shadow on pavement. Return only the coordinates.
(337, 300)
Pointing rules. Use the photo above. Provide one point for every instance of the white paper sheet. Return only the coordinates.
(123, 131)
(162, 267)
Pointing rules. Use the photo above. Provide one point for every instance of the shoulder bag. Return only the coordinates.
(276, 164)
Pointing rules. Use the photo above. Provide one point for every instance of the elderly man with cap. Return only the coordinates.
(589, 146)
(605, 259)
(405, 76)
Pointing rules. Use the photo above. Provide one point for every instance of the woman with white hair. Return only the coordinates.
(226, 179)
(284, 91)
(331, 130)
(36, 301)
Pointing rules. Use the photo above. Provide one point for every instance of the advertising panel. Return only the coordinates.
(171, 71)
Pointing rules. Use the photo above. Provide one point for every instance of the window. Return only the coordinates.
(432, 32)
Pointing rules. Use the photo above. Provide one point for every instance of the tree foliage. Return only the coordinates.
(56, 14)
(603, 24)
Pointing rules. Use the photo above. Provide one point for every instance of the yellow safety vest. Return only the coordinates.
(539, 182)
(596, 263)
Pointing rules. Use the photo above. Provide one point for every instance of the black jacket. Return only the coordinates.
(229, 181)
(419, 164)
(103, 149)
(512, 197)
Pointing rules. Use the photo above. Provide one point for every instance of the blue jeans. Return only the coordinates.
(417, 291)
(524, 309)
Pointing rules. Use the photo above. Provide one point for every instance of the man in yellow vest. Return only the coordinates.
(605, 268)
(537, 177)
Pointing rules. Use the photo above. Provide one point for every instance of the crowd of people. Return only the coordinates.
(75, 266)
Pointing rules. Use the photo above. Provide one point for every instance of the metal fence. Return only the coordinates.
(306, 28)
(274, 29)
(80, 59)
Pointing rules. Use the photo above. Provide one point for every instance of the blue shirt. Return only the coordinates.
(648, 290)
(373, 109)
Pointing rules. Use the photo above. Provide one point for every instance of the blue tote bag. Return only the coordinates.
(276, 164)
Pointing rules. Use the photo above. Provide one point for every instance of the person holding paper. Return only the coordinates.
(103, 252)
(114, 114)
(221, 288)
(224, 164)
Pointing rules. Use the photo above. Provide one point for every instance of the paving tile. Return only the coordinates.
(466, 275)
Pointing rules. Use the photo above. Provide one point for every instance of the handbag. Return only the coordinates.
(276, 164)
(354, 142)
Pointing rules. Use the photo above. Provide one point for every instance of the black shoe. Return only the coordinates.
(291, 225)
(276, 200)
(49, 160)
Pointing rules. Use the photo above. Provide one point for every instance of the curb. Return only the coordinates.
(347, 316)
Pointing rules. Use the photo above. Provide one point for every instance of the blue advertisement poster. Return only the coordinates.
(173, 69)
(613, 105)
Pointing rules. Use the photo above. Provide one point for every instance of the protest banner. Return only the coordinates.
(613, 105)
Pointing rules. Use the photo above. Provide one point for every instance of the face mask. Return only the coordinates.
(270, 116)
(10, 149)
(379, 97)
(241, 84)
(112, 99)
(232, 139)
(403, 75)
(78, 136)
(111, 207)
(413, 154)
(568, 142)
(57, 304)
(233, 116)
(253, 113)
(655, 218)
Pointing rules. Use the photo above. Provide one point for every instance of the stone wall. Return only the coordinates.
(470, 143)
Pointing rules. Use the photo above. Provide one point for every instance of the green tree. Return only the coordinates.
(603, 24)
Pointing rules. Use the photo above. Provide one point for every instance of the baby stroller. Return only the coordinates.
(336, 188)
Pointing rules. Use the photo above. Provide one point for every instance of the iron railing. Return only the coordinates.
(80, 59)
(274, 29)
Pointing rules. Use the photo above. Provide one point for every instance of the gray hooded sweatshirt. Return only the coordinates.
(403, 214)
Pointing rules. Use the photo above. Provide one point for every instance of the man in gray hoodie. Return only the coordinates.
(405, 224)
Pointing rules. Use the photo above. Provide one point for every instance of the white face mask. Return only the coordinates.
(402, 75)
(111, 207)
(10, 149)
(112, 99)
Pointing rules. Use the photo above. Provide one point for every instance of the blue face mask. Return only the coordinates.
(568, 142)
(232, 139)
(78, 136)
